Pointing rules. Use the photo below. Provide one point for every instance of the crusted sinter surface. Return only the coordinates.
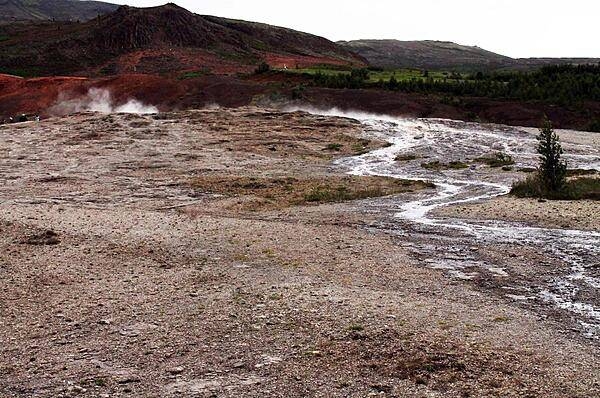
(146, 256)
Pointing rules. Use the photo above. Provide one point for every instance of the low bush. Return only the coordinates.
(594, 126)
(581, 172)
(262, 68)
(575, 189)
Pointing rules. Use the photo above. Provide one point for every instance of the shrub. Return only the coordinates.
(581, 188)
(262, 68)
(594, 126)
(298, 92)
(530, 187)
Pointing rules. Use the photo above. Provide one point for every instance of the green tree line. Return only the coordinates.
(561, 85)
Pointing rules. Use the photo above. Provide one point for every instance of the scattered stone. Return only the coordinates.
(177, 370)
(128, 378)
(47, 237)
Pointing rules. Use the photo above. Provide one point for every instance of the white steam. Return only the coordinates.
(98, 100)
(336, 112)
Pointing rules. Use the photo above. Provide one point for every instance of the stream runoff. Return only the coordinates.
(567, 292)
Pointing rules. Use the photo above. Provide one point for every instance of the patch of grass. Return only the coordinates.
(276, 296)
(274, 193)
(575, 189)
(437, 165)
(376, 75)
(498, 159)
(360, 148)
(406, 157)
(356, 328)
(194, 74)
(4, 38)
(333, 147)
(99, 382)
(323, 194)
(581, 172)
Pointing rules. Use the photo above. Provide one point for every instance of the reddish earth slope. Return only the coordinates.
(40, 95)
(166, 39)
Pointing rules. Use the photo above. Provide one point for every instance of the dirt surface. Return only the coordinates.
(127, 269)
(550, 214)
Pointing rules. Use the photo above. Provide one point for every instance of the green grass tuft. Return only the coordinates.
(194, 74)
(334, 147)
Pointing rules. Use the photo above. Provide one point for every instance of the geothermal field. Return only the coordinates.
(299, 252)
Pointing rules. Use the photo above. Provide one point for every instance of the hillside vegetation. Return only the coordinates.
(59, 10)
(160, 40)
(441, 55)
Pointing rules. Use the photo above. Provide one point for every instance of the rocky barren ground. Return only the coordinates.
(215, 253)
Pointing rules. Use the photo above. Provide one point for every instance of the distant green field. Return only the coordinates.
(385, 75)
(194, 74)
(22, 72)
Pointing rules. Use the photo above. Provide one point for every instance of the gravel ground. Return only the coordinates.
(119, 279)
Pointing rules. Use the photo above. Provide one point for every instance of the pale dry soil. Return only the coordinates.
(582, 214)
(158, 256)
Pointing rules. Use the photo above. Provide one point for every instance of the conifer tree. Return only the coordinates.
(552, 169)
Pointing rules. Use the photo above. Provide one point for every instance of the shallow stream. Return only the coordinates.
(453, 244)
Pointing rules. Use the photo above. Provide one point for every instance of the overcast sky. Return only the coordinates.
(517, 28)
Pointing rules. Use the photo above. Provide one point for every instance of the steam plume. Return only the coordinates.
(98, 100)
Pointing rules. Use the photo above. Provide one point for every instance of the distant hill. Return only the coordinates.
(426, 55)
(441, 55)
(60, 10)
(163, 39)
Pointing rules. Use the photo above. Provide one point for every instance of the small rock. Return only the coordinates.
(177, 370)
(48, 237)
(128, 378)
(78, 389)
